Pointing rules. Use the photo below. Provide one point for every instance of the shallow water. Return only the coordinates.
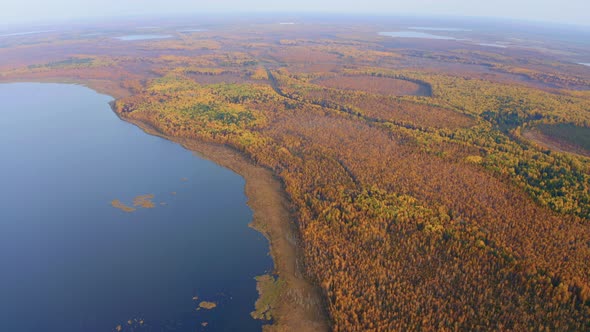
(142, 37)
(492, 45)
(414, 34)
(72, 262)
(26, 33)
(438, 29)
(192, 30)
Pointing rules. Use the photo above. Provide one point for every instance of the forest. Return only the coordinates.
(421, 198)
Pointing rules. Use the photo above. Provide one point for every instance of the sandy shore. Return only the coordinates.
(300, 307)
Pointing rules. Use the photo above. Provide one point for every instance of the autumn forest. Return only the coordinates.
(433, 185)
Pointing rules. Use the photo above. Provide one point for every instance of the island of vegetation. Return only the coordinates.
(119, 205)
(141, 201)
(403, 185)
(144, 201)
(207, 305)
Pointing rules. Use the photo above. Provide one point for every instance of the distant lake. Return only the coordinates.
(142, 37)
(438, 29)
(585, 64)
(192, 30)
(492, 45)
(415, 34)
(71, 262)
(25, 33)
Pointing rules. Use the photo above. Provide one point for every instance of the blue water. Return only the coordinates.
(69, 261)
(25, 33)
(142, 37)
(192, 30)
(439, 29)
(414, 34)
(492, 45)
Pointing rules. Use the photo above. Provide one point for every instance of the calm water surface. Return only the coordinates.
(142, 37)
(493, 45)
(192, 30)
(438, 29)
(415, 34)
(25, 33)
(71, 262)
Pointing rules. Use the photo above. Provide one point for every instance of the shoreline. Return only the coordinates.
(299, 306)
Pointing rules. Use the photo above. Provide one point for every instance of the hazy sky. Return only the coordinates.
(565, 11)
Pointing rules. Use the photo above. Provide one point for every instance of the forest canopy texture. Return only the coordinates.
(435, 185)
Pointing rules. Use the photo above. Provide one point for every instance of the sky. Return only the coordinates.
(562, 11)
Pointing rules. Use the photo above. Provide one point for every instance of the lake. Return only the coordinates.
(72, 262)
(192, 30)
(415, 34)
(15, 34)
(492, 45)
(142, 37)
(439, 29)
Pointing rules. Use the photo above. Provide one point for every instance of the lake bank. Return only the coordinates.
(183, 240)
(300, 306)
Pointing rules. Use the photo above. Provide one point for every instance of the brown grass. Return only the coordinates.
(144, 201)
(119, 205)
